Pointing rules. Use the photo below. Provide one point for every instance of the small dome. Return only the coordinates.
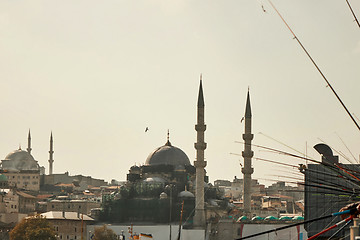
(163, 195)
(167, 155)
(256, 218)
(186, 194)
(270, 218)
(154, 180)
(298, 218)
(284, 218)
(242, 218)
(135, 169)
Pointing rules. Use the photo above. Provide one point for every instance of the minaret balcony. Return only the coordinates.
(200, 127)
(247, 154)
(248, 136)
(200, 146)
(245, 170)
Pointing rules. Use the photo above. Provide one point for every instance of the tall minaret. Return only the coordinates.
(200, 163)
(51, 152)
(247, 170)
(29, 143)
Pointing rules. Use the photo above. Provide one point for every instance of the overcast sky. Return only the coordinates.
(97, 73)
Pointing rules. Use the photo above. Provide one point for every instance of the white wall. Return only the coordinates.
(159, 232)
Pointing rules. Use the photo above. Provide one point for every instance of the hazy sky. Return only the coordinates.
(97, 73)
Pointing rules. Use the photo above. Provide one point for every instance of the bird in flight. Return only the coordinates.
(262, 6)
(146, 129)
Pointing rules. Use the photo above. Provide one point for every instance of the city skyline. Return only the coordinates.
(98, 74)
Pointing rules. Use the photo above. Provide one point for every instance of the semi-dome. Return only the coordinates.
(19, 160)
(167, 155)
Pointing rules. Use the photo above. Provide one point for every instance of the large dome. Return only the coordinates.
(19, 160)
(167, 155)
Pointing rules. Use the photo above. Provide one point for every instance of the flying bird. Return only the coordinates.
(146, 129)
(242, 119)
(262, 6)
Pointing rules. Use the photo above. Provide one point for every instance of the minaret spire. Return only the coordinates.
(29, 143)
(51, 152)
(200, 163)
(247, 154)
(168, 143)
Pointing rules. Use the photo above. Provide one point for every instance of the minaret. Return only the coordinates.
(29, 143)
(247, 170)
(200, 163)
(51, 152)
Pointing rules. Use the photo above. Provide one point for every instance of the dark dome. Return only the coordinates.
(167, 155)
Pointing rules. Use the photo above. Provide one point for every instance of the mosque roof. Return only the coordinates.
(167, 155)
(19, 160)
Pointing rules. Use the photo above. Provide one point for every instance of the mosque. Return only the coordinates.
(156, 190)
(22, 170)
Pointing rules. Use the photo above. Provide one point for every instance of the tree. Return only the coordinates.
(104, 233)
(34, 228)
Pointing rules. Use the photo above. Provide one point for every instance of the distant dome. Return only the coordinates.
(186, 194)
(300, 218)
(285, 218)
(270, 218)
(19, 160)
(154, 180)
(167, 155)
(163, 195)
(242, 218)
(256, 218)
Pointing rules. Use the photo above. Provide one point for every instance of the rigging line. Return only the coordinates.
(312, 60)
(353, 13)
(282, 152)
(281, 143)
(328, 188)
(294, 178)
(316, 173)
(325, 164)
(337, 165)
(328, 182)
(340, 229)
(332, 227)
(275, 162)
(323, 182)
(347, 148)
